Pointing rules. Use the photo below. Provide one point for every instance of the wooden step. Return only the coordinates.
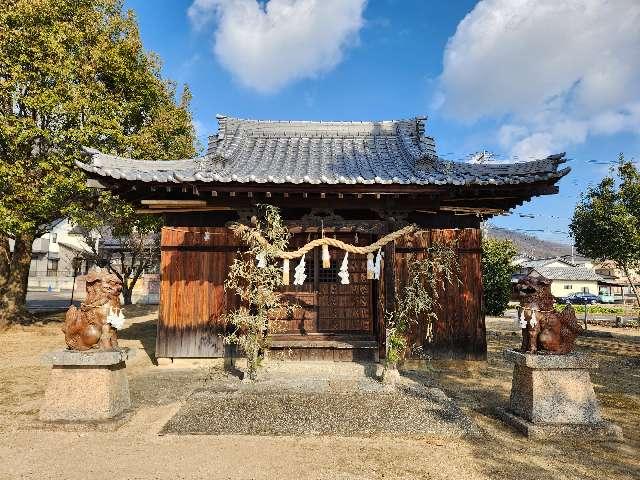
(323, 341)
(327, 347)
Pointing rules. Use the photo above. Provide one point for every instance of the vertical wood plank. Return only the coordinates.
(193, 270)
(459, 330)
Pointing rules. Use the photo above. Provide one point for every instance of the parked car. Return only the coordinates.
(606, 298)
(579, 299)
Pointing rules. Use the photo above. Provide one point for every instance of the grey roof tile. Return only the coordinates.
(386, 152)
(568, 273)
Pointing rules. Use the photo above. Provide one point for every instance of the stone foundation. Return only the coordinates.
(552, 395)
(89, 386)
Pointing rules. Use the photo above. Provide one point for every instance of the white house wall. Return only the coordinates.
(558, 287)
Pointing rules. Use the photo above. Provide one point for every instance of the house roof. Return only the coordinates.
(294, 152)
(568, 273)
(538, 263)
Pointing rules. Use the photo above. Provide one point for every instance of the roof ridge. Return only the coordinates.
(225, 118)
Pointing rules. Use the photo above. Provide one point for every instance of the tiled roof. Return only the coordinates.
(562, 273)
(386, 152)
(539, 263)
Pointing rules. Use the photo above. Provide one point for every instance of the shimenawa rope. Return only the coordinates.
(332, 242)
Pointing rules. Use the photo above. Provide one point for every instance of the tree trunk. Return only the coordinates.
(127, 291)
(5, 262)
(633, 288)
(14, 298)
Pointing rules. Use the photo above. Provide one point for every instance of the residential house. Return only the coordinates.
(54, 255)
(568, 279)
(616, 282)
(57, 252)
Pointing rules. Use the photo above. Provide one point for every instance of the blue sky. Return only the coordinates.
(519, 79)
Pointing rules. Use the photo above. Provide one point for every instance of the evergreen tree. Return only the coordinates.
(497, 269)
(606, 220)
(72, 73)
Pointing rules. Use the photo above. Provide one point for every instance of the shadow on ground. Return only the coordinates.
(145, 332)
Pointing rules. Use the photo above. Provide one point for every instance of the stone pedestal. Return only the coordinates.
(552, 395)
(89, 386)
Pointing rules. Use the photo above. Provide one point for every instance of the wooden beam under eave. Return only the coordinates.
(151, 211)
(472, 211)
(173, 203)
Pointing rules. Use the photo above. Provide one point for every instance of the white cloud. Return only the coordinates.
(556, 71)
(268, 45)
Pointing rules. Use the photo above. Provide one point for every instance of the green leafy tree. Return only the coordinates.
(497, 269)
(606, 220)
(72, 73)
(262, 307)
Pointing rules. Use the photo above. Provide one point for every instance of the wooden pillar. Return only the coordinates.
(389, 289)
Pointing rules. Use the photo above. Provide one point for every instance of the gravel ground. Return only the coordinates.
(360, 408)
(136, 451)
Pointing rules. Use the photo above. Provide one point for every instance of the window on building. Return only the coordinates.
(585, 289)
(54, 238)
(52, 268)
(329, 275)
(568, 287)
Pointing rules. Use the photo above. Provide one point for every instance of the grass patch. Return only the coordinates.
(604, 309)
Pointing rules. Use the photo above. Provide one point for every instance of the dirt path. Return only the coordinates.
(136, 451)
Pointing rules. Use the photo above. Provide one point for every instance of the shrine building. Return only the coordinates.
(353, 181)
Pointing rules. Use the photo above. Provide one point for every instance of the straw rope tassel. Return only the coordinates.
(370, 266)
(326, 258)
(285, 271)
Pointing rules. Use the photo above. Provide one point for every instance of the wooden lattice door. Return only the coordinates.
(325, 305)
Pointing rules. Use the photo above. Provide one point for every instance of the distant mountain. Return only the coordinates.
(528, 244)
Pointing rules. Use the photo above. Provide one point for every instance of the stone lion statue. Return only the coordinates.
(94, 324)
(542, 327)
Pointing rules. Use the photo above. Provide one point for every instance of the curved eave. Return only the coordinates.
(437, 173)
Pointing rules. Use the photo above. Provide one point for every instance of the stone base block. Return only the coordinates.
(553, 388)
(87, 386)
(605, 431)
(552, 395)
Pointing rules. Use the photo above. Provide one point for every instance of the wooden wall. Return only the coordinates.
(460, 329)
(192, 297)
(193, 266)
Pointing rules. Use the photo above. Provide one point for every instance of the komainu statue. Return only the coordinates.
(542, 327)
(94, 324)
